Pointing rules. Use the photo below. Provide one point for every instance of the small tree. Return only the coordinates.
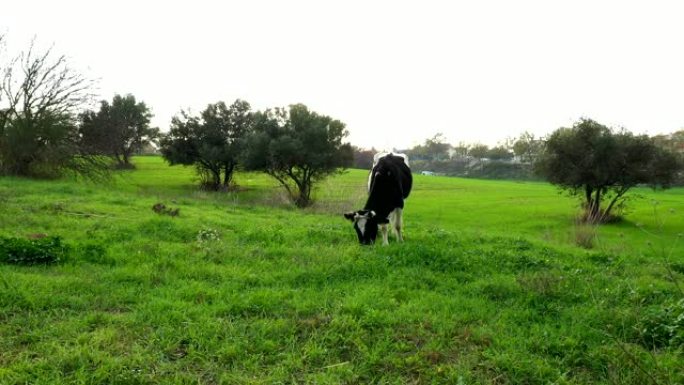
(499, 153)
(119, 129)
(213, 142)
(298, 148)
(478, 151)
(437, 148)
(363, 158)
(461, 150)
(527, 147)
(41, 96)
(592, 161)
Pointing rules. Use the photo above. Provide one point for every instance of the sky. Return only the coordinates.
(396, 72)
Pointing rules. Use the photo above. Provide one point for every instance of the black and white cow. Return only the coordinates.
(389, 183)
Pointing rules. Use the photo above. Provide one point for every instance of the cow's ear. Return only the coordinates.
(350, 215)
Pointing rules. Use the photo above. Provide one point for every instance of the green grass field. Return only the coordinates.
(489, 287)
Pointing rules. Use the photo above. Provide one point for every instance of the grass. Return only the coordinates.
(241, 288)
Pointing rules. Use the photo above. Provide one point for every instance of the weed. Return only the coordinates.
(207, 235)
(161, 208)
(663, 326)
(21, 251)
(585, 235)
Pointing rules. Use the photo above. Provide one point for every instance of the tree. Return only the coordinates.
(527, 147)
(478, 151)
(592, 161)
(461, 150)
(363, 158)
(213, 142)
(499, 153)
(435, 148)
(298, 148)
(119, 129)
(41, 96)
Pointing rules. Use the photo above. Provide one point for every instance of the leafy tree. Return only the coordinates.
(479, 151)
(435, 148)
(527, 147)
(41, 96)
(363, 159)
(297, 147)
(499, 153)
(213, 141)
(461, 150)
(119, 129)
(592, 161)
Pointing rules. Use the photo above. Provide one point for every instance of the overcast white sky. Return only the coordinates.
(395, 72)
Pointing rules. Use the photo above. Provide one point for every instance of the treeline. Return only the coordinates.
(48, 129)
(594, 162)
(513, 158)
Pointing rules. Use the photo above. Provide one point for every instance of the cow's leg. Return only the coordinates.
(398, 223)
(383, 230)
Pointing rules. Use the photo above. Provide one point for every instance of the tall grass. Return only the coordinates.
(236, 290)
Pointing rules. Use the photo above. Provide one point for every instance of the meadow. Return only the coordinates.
(490, 287)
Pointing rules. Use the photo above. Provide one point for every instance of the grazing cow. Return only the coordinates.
(389, 184)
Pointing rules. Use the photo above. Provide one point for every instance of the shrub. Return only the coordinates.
(663, 326)
(20, 251)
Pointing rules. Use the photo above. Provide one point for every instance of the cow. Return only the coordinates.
(389, 183)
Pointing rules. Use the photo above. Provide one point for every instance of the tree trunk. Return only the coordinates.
(118, 158)
(618, 195)
(216, 179)
(595, 210)
(588, 191)
(304, 198)
(228, 176)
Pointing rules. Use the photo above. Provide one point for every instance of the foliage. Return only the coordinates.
(527, 147)
(499, 153)
(479, 151)
(434, 148)
(461, 150)
(590, 160)
(663, 326)
(208, 235)
(298, 148)
(119, 129)
(363, 159)
(21, 251)
(161, 209)
(40, 95)
(213, 141)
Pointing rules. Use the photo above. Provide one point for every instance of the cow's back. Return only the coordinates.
(390, 183)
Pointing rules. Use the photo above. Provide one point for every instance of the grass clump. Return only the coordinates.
(22, 251)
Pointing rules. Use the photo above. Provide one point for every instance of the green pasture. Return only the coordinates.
(490, 286)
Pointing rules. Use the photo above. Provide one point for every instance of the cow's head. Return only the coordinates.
(365, 224)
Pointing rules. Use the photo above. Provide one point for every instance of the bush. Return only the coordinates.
(20, 251)
(663, 326)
